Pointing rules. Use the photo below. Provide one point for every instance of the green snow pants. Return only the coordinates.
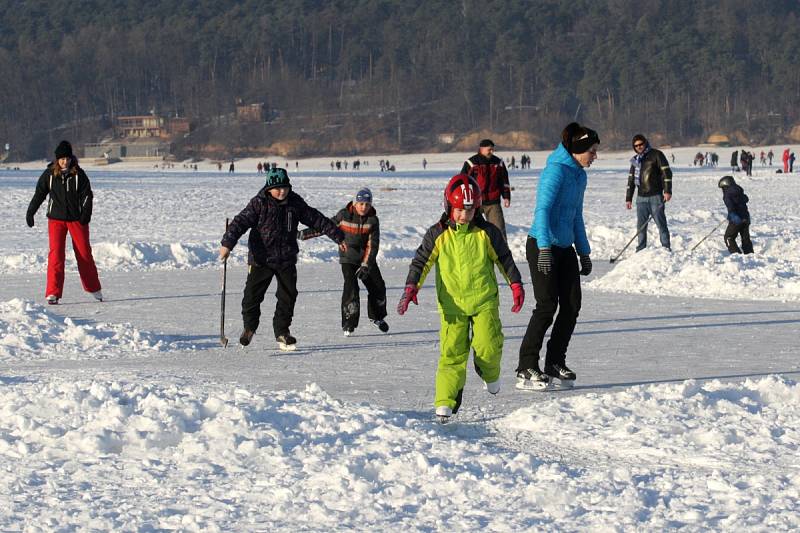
(455, 342)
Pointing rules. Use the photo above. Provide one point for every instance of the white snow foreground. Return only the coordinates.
(714, 274)
(28, 331)
(186, 455)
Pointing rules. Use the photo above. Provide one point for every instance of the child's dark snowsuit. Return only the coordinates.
(362, 235)
(738, 219)
(273, 252)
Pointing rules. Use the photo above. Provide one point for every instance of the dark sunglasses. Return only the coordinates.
(638, 145)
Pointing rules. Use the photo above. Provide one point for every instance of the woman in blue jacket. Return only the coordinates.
(557, 232)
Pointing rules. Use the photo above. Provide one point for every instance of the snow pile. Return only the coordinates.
(28, 331)
(709, 455)
(711, 274)
(78, 453)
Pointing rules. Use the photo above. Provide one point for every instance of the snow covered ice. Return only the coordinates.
(128, 415)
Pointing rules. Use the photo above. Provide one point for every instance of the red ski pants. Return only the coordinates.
(83, 254)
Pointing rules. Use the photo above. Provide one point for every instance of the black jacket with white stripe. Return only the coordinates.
(70, 194)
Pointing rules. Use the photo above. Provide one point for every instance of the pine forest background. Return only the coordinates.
(360, 76)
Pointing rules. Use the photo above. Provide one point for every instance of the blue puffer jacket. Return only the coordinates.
(558, 219)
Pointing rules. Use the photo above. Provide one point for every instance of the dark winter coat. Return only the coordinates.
(491, 175)
(362, 235)
(70, 194)
(273, 228)
(736, 201)
(655, 176)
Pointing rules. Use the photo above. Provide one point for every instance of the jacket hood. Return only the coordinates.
(562, 157)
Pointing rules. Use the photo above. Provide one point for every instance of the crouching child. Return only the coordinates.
(464, 247)
(272, 217)
(359, 222)
(738, 216)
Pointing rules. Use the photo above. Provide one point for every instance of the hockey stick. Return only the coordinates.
(222, 338)
(707, 236)
(641, 229)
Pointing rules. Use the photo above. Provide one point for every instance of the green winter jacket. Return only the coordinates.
(465, 256)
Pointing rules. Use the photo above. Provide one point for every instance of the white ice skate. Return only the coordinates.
(443, 414)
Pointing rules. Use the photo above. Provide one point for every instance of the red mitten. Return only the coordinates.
(409, 295)
(519, 297)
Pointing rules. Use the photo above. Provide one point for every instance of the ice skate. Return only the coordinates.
(493, 387)
(286, 343)
(561, 376)
(443, 414)
(98, 295)
(532, 379)
(246, 337)
(382, 325)
(347, 332)
(52, 299)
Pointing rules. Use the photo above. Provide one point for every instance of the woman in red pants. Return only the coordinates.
(69, 210)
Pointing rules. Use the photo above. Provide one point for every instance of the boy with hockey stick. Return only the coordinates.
(272, 217)
(738, 216)
(359, 222)
(465, 248)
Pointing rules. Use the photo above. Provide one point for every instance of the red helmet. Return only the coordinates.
(462, 192)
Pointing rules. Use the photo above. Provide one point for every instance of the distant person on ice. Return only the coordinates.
(359, 222)
(465, 249)
(557, 232)
(738, 216)
(651, 177)
(272, 217)
(492, 176)
(69, 211)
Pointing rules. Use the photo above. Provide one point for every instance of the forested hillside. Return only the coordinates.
(352, 76)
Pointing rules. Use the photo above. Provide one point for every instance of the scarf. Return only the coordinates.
(636, 163)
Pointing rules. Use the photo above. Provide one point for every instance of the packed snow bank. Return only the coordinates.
(713, 274)
(210, 457)
(28, 331)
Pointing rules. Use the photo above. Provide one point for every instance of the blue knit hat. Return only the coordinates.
(277, 177)
(364, 195)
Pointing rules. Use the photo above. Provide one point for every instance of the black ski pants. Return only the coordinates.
(734, 230)
(560, 290)
(351, 301)
(258, 280)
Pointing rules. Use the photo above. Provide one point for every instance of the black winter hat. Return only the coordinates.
(277, 177)
(64, 149)
(486, 142)
(578, 139)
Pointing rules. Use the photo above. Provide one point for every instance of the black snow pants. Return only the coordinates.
(559, 290)
(351, 304)
(258, 280)
(734, 230)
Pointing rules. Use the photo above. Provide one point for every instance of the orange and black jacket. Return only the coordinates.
(362, 235)
(491, 175)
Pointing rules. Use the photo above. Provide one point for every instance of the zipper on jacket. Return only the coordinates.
(288, 221)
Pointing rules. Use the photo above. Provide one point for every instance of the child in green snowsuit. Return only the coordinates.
(465, 248)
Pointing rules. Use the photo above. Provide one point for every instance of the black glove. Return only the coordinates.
(545, 262)
(29, 220)
(586, 265)
(85, 221)
(363, 272)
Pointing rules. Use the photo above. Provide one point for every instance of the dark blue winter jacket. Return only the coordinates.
(736, 201)
(273, 228)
